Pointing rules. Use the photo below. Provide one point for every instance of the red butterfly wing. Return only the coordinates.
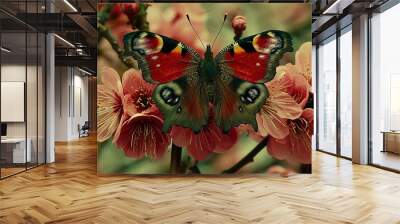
(160, 58)
(255, 58)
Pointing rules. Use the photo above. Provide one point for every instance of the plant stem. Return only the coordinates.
(106, 33)
(305, 168)
(248, 158)
(176, 155)
(195, 169)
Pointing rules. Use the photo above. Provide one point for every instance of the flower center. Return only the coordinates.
(298, 126)
(142, 100)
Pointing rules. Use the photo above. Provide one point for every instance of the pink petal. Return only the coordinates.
(279, 148)
(111, 79)
(109, 111)
(132, 80)
(278, 107)
(275, 127)
(284, 105)
(286, 69)
(296, 147)
(298, 88)
(227, 141)
(301, 148)
(209, 139)
(141, 135)
(181, 136)
(303, 60)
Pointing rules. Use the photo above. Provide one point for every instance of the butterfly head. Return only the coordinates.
(208, 54)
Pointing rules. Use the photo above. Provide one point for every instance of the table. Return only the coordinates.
(391, 141)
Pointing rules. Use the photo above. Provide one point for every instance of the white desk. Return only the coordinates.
(18, 149)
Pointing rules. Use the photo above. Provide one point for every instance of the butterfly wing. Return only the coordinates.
(237, 101)
(183, 102)
(160, 58)
(180, 96)
(255, 58)
(243, 68)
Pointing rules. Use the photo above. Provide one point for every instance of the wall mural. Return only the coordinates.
(204, 88)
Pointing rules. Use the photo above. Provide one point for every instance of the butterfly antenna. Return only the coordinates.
(194, 30)
(220, 29)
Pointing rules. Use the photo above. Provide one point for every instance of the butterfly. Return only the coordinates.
(232, 82)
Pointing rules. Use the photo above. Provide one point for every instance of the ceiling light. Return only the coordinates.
(333, 6)
(5, 50)
(84, 71)
(65, 41)
(337, 7)
(70, 5)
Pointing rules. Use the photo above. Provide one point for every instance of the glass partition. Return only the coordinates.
(14, 153)
(22, 77)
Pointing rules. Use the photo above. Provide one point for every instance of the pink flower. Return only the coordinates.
(303, 63)
(210, 139)
(280, 105)
(137, 94)
(238, 25)
(109, 104)
(295, 147)
(139, 133)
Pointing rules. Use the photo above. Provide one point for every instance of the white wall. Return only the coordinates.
(70, 83)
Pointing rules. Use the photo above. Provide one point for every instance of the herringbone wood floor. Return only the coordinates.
(69, 191)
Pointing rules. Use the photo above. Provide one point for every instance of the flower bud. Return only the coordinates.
(116, 11)
(238, 25)
(131, 10)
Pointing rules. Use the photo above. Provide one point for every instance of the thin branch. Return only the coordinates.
(195, 169)
(248, 158)
(176, 157)
(106, 33)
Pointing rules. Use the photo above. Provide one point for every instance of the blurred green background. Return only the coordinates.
(169, 19)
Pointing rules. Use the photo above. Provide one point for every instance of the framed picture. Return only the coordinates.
(204, 88)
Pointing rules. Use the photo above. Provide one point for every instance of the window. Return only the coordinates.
(327, 95)
(346, 92)
(385, 89)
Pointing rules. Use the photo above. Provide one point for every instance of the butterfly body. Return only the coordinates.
(190, 87)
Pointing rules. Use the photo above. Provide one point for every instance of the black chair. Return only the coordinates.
(84, 130)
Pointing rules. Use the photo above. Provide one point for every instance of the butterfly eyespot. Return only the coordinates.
(176, 100)
(250, 95)
(253, 92)
(249, 99)
(166, 93)
(169, 97)
(243, 99)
